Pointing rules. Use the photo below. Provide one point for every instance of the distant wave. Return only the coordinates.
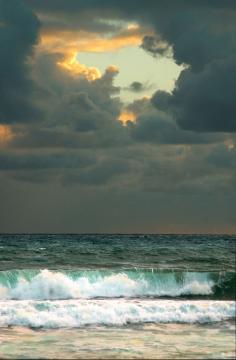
(113, 312)
(56, 285)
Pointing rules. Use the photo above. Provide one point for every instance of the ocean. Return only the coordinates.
(117, 296)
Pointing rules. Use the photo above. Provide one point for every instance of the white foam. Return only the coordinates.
(78, 313)
(56, 285)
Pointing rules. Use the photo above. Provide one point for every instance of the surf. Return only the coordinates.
(112, 312)
(140, 283)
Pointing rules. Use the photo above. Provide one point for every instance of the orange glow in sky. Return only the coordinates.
(127, 116)
(5, 134)
(63, 41)
(71, 64)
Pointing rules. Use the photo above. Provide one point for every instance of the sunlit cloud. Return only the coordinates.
(113, 69)
(82, 41)
(73, 66)
(6, 134)
(229, 143)
(133, 26)
(70, 43)
(126, 116)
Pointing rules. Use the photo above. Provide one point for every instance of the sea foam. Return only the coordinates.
(112, 312)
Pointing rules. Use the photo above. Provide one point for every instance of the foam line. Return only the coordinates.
(113, 312)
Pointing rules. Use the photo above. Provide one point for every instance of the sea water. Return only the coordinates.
(117, 296)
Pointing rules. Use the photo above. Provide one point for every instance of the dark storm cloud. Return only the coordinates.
(104, 172)
(199, 32)
(81, 114)
(158, 126)
(77, 15)
(203, 38)
(206, 102)
(71, 96)
(18, 33)
(161, 100)
(94, 107)
(69, 6)
(223, 157)
(75, 22)
(84, 113)
(203, 101)
(154, 46)
(15, 161)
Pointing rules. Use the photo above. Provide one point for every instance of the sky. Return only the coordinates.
(117, 116)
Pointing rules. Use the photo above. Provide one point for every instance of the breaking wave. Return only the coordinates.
(55, 285)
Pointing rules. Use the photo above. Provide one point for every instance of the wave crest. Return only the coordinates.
(50, 285)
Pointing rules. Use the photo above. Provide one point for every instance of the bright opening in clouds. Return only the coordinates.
(152, 74)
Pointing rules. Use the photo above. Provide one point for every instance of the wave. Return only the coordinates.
(53, 285)
(112, 312)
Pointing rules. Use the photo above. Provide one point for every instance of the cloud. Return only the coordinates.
(15, 161)
(72, 65)
(204, 101)
(73, 41)
(91, 106)
(155, 46)
(158, 126)
(18, 35)
(201, 36)
(103, 173)
(127, 116)
(80, 113)
(223, 157)
(138, 87)
(6, 135)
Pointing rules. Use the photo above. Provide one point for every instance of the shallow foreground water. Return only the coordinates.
(149, 341)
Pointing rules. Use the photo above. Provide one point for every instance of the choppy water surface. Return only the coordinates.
(186, 252)
(129, 296)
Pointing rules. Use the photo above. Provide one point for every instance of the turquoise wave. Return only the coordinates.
(46, 284)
